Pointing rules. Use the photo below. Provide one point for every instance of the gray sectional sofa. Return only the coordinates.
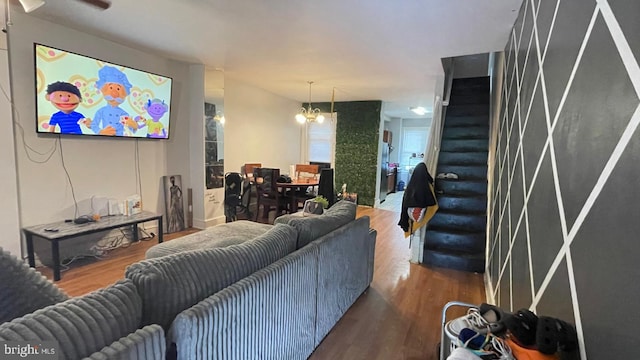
(235, 291)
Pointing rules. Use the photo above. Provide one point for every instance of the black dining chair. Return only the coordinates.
(267, 192)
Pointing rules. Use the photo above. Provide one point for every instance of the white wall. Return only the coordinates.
(9, 212)
(97, 166)
(260, 127)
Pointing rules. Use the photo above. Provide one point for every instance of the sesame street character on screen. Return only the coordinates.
(111, 118)
(65, 97)
(156, 108)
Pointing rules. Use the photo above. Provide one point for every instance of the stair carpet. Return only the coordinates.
(456, 235)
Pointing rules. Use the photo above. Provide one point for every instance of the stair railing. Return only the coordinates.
(437, 124)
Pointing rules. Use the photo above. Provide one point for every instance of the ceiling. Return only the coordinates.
(365, 50)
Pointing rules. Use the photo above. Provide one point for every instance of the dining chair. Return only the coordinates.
(305, 171)
(310, 173)
(267, 192)
(249, 184)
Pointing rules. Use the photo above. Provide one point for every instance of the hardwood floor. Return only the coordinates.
(397, 318)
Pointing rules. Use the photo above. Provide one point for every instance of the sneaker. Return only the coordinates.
(473, 320)
(488, 347)
(486, 318)
(501, 349)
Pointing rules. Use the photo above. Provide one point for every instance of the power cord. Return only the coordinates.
(64, 166)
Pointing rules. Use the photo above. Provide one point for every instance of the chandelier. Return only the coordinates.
(309, 114)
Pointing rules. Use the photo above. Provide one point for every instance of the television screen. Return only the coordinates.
(80, 95)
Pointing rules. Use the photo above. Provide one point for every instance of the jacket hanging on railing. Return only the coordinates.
(419, 202)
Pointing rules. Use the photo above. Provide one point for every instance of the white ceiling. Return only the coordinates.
(387, 50)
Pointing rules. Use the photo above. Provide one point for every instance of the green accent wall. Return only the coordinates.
(357, 137)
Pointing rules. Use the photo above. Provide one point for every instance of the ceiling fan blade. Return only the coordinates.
(103, 4)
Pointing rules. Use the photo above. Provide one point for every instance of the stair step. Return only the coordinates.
(469, 172)
(471, 82)
(471, 109)
(455, 121)
(466, 242)
(465, 132)
(464, 145)
(463, 203)
(470, 97)
(460, 222)
(463, 158)
(462, 262)
(461, 187)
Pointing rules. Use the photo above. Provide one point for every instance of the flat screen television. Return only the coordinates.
(81, 95)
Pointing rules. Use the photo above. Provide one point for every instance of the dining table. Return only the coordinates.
(294, 185)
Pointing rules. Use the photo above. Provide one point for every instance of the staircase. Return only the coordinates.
(456, 235)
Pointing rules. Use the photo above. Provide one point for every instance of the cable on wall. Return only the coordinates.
(27, 148)
(64, 166)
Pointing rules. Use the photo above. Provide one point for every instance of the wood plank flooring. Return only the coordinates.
(397, 318)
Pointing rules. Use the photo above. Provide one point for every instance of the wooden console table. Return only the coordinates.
(68, 230)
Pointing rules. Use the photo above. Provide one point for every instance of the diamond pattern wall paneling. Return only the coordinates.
(571, 66)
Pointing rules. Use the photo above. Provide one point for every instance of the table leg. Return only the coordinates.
(55, 254)
(30, 254)
(160, 239)
(135, 232)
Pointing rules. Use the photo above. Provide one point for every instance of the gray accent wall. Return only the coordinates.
(563, 230)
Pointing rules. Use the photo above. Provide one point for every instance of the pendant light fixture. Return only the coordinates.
(309, 114)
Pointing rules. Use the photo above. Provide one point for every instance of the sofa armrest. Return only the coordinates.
(147, 343)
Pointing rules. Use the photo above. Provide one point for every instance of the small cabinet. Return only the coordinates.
(387, 137)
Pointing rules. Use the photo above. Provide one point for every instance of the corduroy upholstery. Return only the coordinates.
(173, 283)
(23, 289)
(146, 343)
(267, 315)
(222, 235)
(346, 270)
(313, 227)
(81, 325)
(284, 310)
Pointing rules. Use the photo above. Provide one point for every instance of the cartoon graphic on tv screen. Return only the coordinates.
(66, 98)
(155, 108)
(87, 96)
(111, 118)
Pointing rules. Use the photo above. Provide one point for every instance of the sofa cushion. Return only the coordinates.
(313, 227)
(173, 283)
(23, 289)
(221, 235)
(81, 325)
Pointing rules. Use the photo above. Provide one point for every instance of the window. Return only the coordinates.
(319, 142)
(414, 143)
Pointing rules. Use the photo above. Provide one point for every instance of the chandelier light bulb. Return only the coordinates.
(309, 114)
